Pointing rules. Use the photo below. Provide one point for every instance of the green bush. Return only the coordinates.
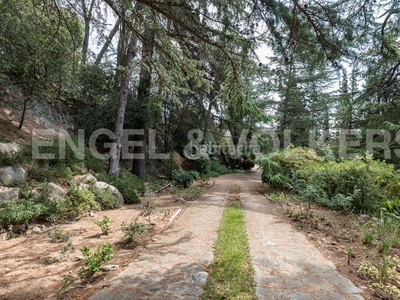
(105, 197)
(133, 229)
(94, 260)
(277, 170)
(184, 178)
(104, 224)
(130, 186)
(72, 160)
(360, 184)
(19, 212)
(392, 207)
(32, 207)
(58, 173)
(78, 202)
(19, 157)
(170, 165)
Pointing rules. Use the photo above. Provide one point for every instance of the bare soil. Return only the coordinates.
(33, 267)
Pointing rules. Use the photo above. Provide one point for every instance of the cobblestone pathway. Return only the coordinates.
(174, 266)
(287, 265)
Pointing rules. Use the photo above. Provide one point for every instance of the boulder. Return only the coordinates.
(8, 193)
(105, 185)
(87, 178)
(12, 175)
(9, 148)
(56, 192)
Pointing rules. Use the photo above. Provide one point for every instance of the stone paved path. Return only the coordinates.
(287, 265)
(174, 266)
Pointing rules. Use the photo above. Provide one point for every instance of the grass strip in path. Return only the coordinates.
(231, 274)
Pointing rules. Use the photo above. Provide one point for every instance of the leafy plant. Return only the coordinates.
(21, 212)
(368, 237)
(148, 206)
(104, 224)
(105, 197)
(130, 186)
(78, 202)
(383, 276)
(350, 254)
(58, 235)
(94, 260)
(132, 229)
(184, 178)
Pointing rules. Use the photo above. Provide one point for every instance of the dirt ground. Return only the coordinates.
(33, 267)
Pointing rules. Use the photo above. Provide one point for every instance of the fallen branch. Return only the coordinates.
(163, 188)
(171, 220)
(175, 215)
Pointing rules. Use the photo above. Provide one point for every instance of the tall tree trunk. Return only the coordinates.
(31, 91)
(108, 42)
(87, 16)
(113, 168)
(143, 96)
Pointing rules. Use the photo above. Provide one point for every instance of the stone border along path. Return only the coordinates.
(174, 266)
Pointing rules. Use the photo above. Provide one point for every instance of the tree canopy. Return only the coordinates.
(177, 65)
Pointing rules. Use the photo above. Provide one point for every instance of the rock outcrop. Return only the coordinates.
(105, 185)
(12, 175)
(8, 193)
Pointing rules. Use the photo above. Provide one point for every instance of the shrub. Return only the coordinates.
(184, 179)
(104, 224)
(277, 170)
(132, 229)
(32, 207)
(105, 197)
(17, 157)
(170, 165)
(23, 211)
(78, 202)
(20, 212)
(130, 186)
(58, 173)
(94, 260)
(70, 160)
(360, 184)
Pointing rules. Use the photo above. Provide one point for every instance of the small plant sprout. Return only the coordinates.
(104, 224)
(94, 260)
(368, 237)
(132, 229)
(148, 206)
(350, 254)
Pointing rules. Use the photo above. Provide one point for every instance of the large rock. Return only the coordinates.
(56, 192)
(7, 193)
(105, 185)
(12, 175)
(87, 178)
(9, 148)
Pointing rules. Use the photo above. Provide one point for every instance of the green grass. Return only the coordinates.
(231, 274)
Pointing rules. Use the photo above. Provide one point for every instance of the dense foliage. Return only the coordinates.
(360, 184)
